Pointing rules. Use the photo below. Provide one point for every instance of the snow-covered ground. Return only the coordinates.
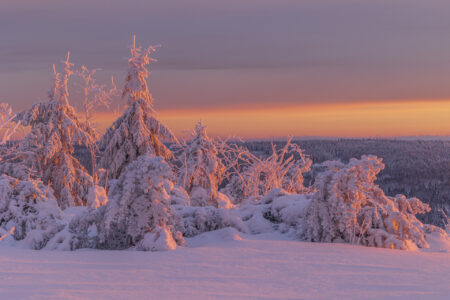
(226, 264)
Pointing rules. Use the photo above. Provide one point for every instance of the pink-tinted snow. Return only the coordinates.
(224, 265)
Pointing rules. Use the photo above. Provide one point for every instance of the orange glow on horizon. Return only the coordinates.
(369, 119)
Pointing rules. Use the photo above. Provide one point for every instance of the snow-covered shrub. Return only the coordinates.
(240, 180)
(254, 176)
(28, 209)
(47, 150)
(279, 211)
(137, 131)
(139, 205)
(201, 171)
(81, 230)
(160, 239)
(197, 220)
(255, 219)
(285, 209)
(236, 189)
(349, 207)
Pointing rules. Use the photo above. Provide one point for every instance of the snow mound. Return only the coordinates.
(224, 235)
(159, 239)
(438, 239)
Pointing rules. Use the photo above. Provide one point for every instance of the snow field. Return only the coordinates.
(225, 264)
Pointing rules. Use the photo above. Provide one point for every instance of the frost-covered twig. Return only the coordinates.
(94, 95)
(7, 125)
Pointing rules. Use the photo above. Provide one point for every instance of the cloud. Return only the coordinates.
(248, 52)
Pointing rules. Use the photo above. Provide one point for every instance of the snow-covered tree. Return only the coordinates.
(138, 213)
(349, 207)
(137, 131)
(201, 170)
(47, 150)
(28, 211)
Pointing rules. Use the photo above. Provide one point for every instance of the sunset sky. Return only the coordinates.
(251, 68)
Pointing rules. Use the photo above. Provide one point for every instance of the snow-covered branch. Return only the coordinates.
(94, 95)
(7, 125)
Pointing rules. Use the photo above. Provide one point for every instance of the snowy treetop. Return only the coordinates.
(136, 86)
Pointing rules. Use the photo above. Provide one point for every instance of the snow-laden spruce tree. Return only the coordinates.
(348, 206)
(138, 213)
(201, 170)
(137, 131)
(95, 96)
(46, 152)
(28, 212)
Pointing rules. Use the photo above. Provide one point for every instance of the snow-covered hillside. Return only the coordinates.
(225, 264)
